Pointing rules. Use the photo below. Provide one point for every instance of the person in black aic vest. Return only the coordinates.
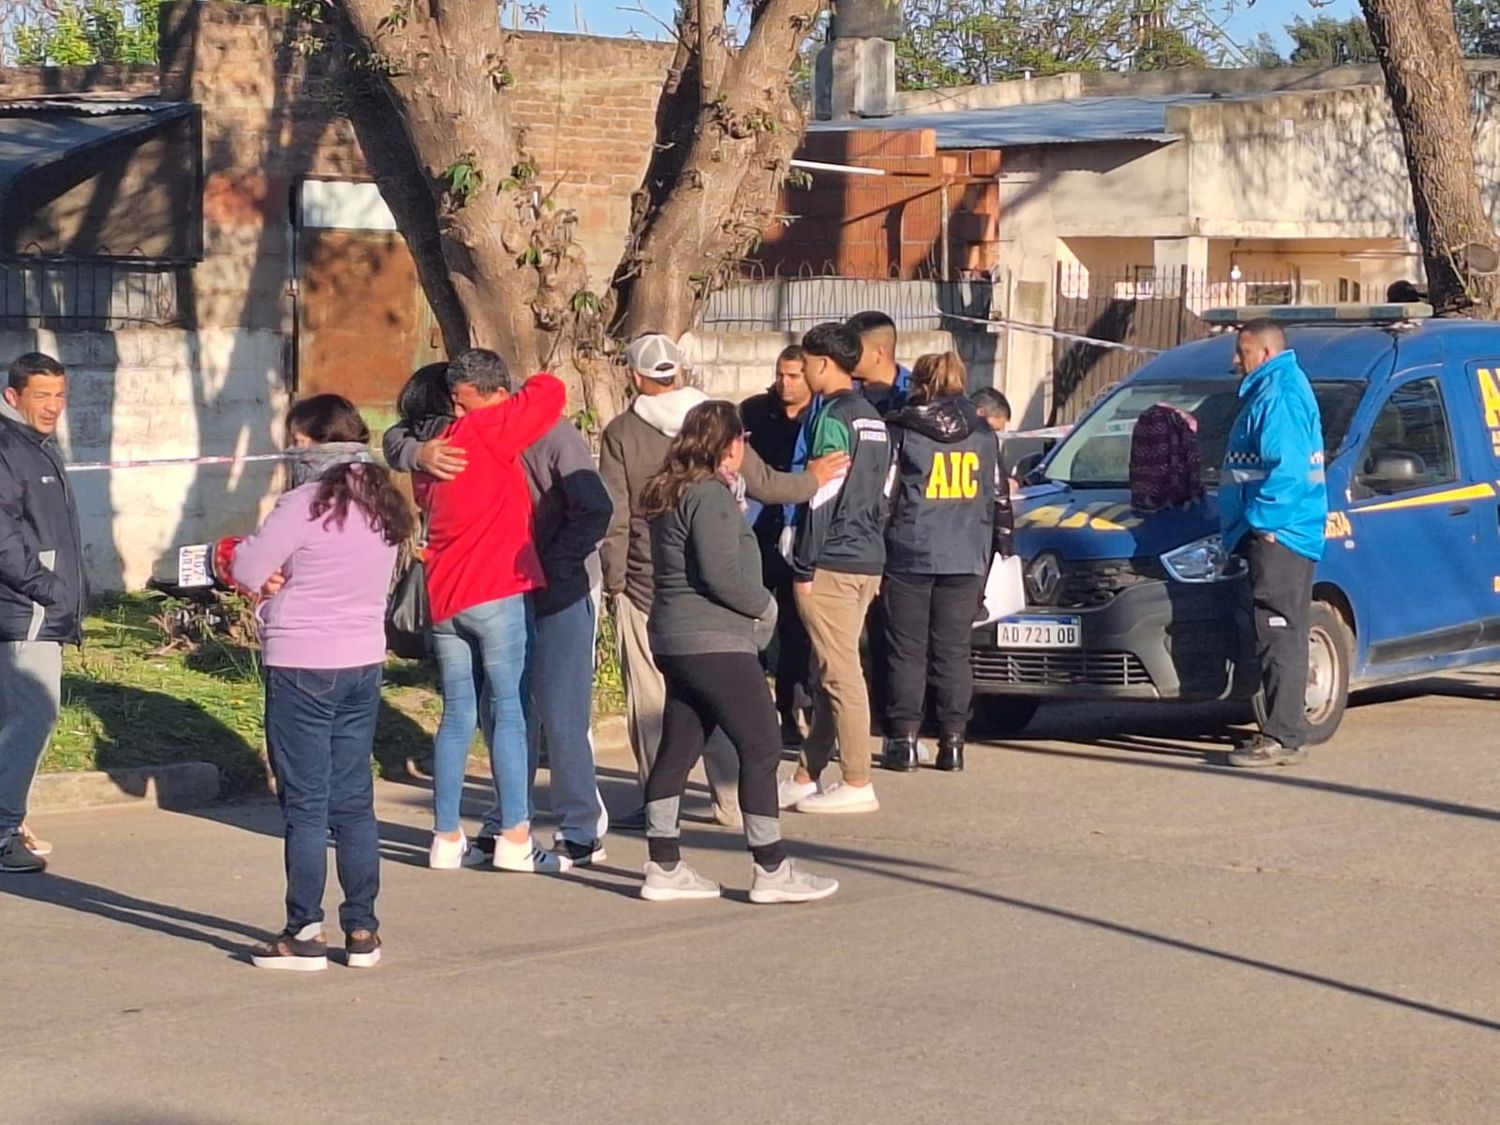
(950, 515)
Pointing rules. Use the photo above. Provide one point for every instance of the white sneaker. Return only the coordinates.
(787, 883)
(841, 798)
(790, 791)
(681, 882)
(528, 858)
(447, 855)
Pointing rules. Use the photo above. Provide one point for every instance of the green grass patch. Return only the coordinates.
(154, 685)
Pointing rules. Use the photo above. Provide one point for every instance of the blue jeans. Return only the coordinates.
(562, 694)
(320, 727)
(484, 650)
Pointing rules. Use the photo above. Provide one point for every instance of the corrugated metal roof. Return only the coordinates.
(1077, 121)
(41, 133)
(87, 107)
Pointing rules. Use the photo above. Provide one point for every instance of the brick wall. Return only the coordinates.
(587, 104)
(889, 225)
(31, 81)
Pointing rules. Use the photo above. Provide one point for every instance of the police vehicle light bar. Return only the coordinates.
(1319, 314)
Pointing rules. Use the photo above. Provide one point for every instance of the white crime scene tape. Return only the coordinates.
(168, 462)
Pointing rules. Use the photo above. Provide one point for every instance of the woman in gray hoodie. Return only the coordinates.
(710, 616)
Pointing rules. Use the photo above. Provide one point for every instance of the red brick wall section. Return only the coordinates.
(891, 225)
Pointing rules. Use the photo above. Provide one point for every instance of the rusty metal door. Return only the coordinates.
(363, 324)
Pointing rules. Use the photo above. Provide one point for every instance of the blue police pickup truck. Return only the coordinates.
(1126, 605)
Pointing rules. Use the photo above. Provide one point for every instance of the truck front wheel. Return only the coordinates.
(1330, 654)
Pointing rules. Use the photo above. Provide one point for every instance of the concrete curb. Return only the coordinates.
(187, 785)
(183, 785)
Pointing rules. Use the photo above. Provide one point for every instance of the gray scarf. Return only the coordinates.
(314, 462)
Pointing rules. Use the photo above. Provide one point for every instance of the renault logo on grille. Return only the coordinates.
(1043, 577)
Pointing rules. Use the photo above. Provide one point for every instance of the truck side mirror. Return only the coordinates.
(1026, 466)
(1393, 470)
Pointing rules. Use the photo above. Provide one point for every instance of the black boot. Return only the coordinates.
(950, 755)
(901, 753)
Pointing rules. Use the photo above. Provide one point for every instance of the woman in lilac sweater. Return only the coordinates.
(323, 559)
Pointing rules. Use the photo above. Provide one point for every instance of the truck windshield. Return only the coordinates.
(1097, 453)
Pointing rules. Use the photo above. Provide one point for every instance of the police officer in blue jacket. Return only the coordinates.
(1273, 505)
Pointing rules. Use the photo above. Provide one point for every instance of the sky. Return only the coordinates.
(619, 17)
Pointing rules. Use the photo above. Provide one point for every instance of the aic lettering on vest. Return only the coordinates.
(954, 476)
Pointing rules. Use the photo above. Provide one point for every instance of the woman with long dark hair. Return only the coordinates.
(323, 559)
(710, 617)
(950, 516)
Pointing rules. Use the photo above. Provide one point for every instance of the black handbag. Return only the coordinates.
(408, 615)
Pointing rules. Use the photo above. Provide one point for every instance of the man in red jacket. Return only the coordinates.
(481, 564)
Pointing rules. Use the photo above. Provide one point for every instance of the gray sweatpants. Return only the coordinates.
(30, 697)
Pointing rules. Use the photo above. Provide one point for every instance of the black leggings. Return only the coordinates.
(704, 691)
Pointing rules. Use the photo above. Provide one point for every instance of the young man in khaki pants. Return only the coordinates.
(837, 560)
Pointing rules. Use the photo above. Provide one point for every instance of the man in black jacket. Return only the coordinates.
(837, 562)
(42, 589)
(773, 421)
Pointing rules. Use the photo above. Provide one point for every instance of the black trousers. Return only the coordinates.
(793, 648)
(718, 689)
(1276, 609)
(928, 621)
(876, 658)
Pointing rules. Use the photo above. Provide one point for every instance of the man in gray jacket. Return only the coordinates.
(570, 515)
(632, 448)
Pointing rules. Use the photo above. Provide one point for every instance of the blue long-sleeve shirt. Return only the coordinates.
(1273, 478)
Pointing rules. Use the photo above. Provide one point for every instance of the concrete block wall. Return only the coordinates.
(164, 393)
(736, 365)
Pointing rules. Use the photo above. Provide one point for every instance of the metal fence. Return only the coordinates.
(795, 304)
(1148, 309)
(91, 294)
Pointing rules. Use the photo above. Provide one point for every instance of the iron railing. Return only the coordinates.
(92, 294)
(794, 303)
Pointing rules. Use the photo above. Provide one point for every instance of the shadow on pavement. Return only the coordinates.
(914, 873)
(174, 921)
(1122, 930)
(1206, 768)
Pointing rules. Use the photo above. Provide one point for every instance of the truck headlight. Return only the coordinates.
(1203, 560)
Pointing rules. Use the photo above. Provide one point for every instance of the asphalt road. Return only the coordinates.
(1093, 924)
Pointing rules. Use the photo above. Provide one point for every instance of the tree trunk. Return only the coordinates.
(1417, 41)
(500, 267)
(724, 195)
(443, 68)
(404, 188)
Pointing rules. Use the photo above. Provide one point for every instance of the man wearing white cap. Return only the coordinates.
(632, 448)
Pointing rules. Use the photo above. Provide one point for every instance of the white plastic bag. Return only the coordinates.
(1004, 590)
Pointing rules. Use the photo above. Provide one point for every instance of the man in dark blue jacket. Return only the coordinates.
(1273, 505)
(42, 590)
(773, 427)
